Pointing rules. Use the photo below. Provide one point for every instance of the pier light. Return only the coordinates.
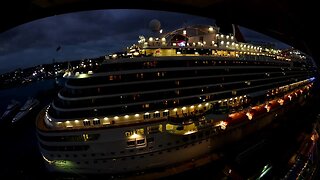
(184, 32)
(136, 115)
(222, 36)
(161, 30)
(228, 42)
(227, 36)
(191, 107)
(163, 39)
(222, 124)
(150, 39)
(232, 43)
(184, 108)
(76, 121)
(267, 107)
(222, 42)
(232, 37)
(210, 29)
(207, 104)
(116, 117)
(175, 109)
(126, 116)
(199, 105)
(249, 115)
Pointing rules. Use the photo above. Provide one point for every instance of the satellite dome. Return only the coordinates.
(155, 25)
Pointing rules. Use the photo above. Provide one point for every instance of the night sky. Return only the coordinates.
(89, 34)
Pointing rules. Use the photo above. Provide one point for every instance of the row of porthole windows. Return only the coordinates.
(141, 156)
(199, 135)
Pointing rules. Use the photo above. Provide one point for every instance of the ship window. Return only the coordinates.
(131, 143)
(96, 122)
(111, 78)
(141, 142)
(156, 115)
(146, 116)
(145, 106)
(86, 123)
(165, 113)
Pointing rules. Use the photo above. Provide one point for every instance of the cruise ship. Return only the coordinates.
(168, 100)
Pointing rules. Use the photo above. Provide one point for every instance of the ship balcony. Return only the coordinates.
(181, 129)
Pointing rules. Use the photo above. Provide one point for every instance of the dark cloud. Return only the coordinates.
(82, 35)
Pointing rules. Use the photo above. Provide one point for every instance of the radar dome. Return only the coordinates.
(155, 25)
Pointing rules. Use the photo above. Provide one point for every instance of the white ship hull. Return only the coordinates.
(110, 154)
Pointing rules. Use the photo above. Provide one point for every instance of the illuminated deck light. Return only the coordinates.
(199, 105)
(76, 121)
(126, 116)
(116, 117)
(136, 115)
(166, 110)
(184, 108)
(207, 104)
(175, 109)
(105, 118)
(192, 106)
(134, 136)
(249, 115)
